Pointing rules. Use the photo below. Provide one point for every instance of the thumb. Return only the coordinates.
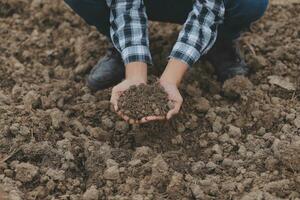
(174, 111)
(114, 100)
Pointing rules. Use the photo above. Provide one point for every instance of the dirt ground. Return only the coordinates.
(60, 141)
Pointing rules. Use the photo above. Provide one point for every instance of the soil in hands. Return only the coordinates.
(144, 100)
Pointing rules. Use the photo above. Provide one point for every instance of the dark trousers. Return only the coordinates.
(238, 16)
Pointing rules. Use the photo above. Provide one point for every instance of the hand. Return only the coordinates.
(174, 96)
(170, 81)
(136, 74)
(117, 92)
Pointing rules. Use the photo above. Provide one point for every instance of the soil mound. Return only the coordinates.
(144, 100)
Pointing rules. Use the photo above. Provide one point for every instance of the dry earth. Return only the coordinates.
(60, 141)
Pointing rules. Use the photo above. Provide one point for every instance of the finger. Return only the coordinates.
(171, 113)
(174, 111)
(116, 107)
(114, 100)
(125, 117)
(152, 118)
(132, 121)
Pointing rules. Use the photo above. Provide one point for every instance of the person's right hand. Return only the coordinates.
(117, 92)
(136, 74)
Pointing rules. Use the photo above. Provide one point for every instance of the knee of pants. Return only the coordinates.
(94, 12)
(252, 10)
(73, 3)
(79, 7)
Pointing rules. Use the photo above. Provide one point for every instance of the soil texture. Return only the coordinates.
(58, 140)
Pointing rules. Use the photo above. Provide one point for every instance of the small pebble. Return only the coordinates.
(91, 194)
(112, 173)
(234, 131)
(211, 166)
(197, 167)
(202, 105)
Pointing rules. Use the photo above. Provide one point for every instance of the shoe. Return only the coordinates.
(226, 58)
(109, 71)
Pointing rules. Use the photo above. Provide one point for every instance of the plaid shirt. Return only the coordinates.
(129, 30)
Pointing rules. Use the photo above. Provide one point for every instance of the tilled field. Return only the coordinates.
(60, 141)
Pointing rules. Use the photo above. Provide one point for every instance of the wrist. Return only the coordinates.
(168, 78)
(136, 71)
(174, 72)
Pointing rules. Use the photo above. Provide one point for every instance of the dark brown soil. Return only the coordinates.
(58, 140)
(144, 100)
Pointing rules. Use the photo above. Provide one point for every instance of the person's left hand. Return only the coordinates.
(174, 96)
(175, 99)
(170, 80)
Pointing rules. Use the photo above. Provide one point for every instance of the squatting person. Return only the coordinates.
(125, 24)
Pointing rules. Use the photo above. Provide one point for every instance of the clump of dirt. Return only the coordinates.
(144, 100)
(8, 8)
(237, 86)
(289, 154)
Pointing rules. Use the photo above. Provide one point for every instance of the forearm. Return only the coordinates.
(136, 71)
(129, 30)
(199, 31)
(174, 71)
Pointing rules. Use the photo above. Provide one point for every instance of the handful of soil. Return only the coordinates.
(144, 100)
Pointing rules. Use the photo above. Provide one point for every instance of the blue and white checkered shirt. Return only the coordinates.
(129, 30)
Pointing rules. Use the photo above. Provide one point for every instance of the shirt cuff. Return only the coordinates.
(138, 53)
(185, 53)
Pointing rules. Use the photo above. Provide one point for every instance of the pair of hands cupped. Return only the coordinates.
(171, 89)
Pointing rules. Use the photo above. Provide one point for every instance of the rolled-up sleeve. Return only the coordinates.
(129, 30)
(199, 31)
